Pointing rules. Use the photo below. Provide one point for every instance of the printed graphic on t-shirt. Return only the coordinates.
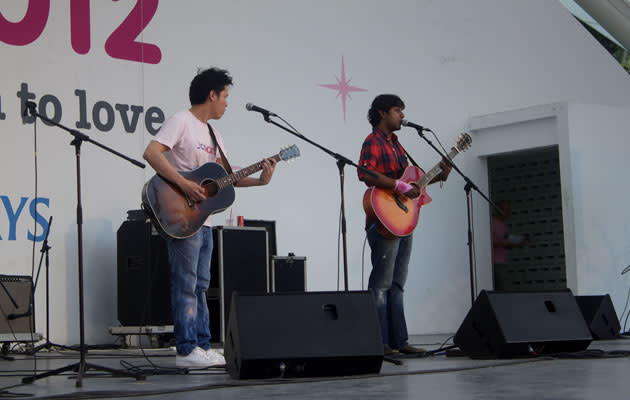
(206, 148)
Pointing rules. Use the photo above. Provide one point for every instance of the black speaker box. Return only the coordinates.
(16, 297)
(239, 262)
(303, 334)
(601, 318)
(270, 226)
(507, 324)
(143, 276)
(287, 274)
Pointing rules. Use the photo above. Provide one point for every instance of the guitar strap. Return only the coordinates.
(415, 164)
(216, 143)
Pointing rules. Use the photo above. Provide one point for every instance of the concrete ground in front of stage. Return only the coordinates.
(591, 375)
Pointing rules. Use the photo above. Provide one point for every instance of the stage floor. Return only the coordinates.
(591, 375)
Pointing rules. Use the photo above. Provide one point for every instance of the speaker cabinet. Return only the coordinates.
(303, 334)
(287, 274)
(505, 324)
(16, 299)
(239, 262)
(143, 276)
(601, 318)
(270, 226)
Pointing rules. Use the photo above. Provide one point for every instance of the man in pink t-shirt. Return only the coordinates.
(184, 143)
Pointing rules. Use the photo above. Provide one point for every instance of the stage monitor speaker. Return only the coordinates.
(144, 296)
(601, 318)
(303, 334)
(506, 324)
(16, 299)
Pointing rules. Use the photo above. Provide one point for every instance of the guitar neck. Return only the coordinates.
(435, 171)
(231, 179)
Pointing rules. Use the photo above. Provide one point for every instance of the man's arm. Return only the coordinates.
(153, 154)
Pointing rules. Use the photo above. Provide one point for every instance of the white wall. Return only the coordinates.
(598, 143)
(449, 60)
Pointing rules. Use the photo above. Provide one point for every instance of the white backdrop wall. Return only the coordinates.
(598, 143)
(448, 60)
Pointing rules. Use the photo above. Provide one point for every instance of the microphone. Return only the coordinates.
(29, 107)
(253, 107)
(16, 316)
(417, 127)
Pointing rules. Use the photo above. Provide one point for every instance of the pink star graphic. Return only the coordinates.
(343, 88)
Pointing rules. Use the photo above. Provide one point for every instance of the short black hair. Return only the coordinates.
(383, 102)
(206, 81)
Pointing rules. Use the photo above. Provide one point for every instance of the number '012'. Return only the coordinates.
(120, 44)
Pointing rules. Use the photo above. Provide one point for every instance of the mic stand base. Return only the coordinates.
(49, 345)
(80, 368)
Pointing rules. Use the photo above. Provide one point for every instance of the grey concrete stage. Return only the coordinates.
(592, 375)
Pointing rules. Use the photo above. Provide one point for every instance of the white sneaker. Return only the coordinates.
(214, 357)
(196, 359)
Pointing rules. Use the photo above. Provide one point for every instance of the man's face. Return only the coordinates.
(218, 102)
(393, 118)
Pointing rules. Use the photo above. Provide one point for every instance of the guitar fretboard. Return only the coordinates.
(231, 179)
(433, 172)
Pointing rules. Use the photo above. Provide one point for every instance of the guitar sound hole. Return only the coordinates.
(211, 188)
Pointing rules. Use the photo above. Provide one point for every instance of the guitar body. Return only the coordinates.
(397, 214)
(171, 212)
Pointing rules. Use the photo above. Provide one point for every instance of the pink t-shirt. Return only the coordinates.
(189, 142)
(498, 234)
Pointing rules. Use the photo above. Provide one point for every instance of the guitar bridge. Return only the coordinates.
(400, 203)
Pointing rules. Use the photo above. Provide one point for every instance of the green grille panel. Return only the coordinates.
(531, 182)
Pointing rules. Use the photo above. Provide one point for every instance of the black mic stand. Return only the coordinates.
(44, 254)
(82, 366)
(469, 185)
(341, 163)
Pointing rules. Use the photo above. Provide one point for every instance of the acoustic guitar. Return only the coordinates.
(175, 215)
(396, 213)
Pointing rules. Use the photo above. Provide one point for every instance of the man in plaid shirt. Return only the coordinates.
(383, 154)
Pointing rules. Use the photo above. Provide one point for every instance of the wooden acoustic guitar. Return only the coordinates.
(396, 213)
(175, 215)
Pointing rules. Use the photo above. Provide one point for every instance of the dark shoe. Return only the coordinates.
(387, 351)
(409, 349)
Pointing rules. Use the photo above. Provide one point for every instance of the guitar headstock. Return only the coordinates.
(464, 141)
(290, 152)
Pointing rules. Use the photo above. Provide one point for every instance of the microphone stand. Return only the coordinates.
(82, 366)
(44, 250)
(341, 163)
(467, 188)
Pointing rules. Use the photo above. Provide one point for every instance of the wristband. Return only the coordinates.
(402, 187)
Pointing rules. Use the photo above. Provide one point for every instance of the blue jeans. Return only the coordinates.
(390, 261)
(190, 278)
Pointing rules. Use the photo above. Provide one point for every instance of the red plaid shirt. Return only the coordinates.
(383, 155)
